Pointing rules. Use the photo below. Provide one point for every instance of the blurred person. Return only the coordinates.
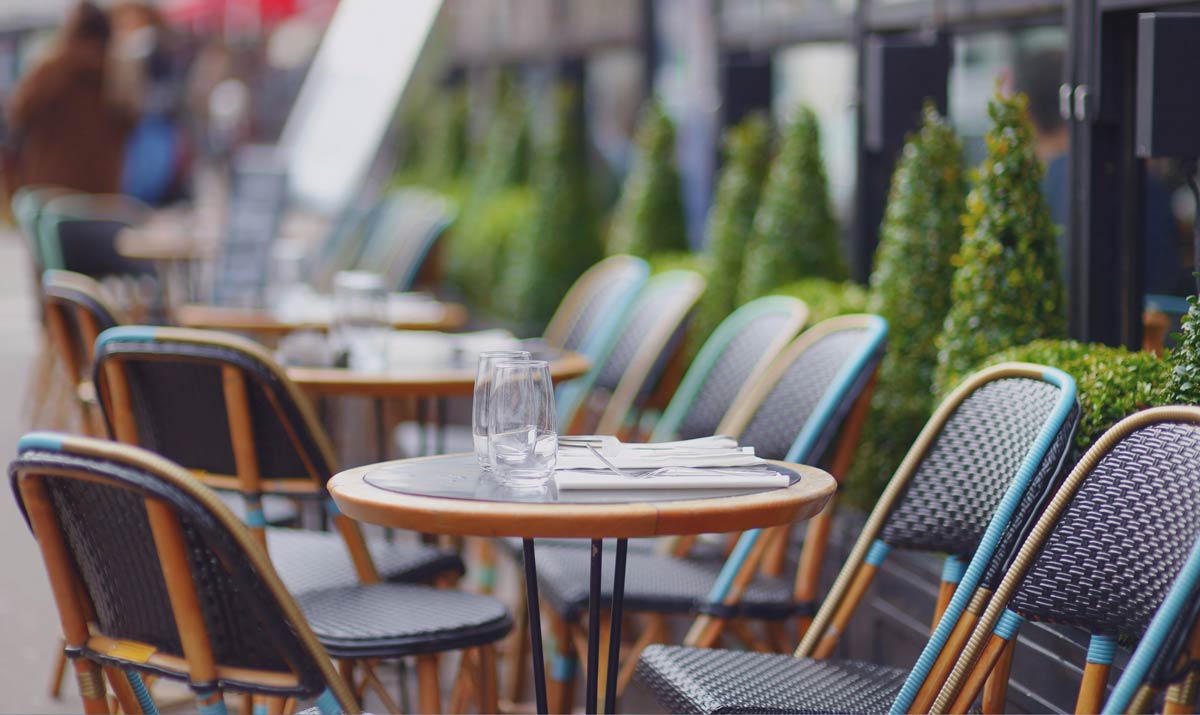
(67, 122)
(1039, 75)
(145, 65)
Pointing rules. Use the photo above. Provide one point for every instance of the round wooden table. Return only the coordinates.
(440, 316)
(451, 495)
(458, 380)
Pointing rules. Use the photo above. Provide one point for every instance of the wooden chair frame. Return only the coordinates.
(989, 640)
(198, 666)
(581, 294)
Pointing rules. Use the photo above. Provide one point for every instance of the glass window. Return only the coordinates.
(822, 76)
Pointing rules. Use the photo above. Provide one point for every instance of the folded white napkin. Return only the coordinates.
(588, 479)
(431, 349)
(716, 451)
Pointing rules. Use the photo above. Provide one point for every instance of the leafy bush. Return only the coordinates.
(910, 288)
(730, 222)
(493, 209)
(448, 142)
(1113, 382)
(649, 216)
(679, 261)
(826, 298)
(795, 233)
(561, 240)
(1184, 386)
(483, 237)
(1007, 288)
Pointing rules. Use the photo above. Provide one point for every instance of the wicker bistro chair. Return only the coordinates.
(407, 225)
(591, 313)
(738, 351)
(76, 313)
(794, 411)
(983, 465)
(622, 377)
(153, 575)
(77, 232)
(1102, 557)
(244, 425)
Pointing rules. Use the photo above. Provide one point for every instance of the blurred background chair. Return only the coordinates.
(609, 396)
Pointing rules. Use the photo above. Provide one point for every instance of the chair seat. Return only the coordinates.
(276, 509)
(315, 560)
(655, 583)
(698, 680)
(391, 620)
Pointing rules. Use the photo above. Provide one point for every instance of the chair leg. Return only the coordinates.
(995, 689)
(564, 663)
(123, 690)
(429, 695)
(370, 679)
(58, 671)
(655, 632)
(489, 699)
(91, 687)
(517, 652)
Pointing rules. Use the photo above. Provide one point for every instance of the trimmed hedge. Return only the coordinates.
(483, 237)
(826, 298)
(1113, 382)
(1184, 386)
(562, 238)
(910, 288)
(1008, 288)
(649, 215)
(795, 233)
(730, 222)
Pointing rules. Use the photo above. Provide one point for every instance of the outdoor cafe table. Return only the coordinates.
(432, 315)
(451, 495)
(420, 383)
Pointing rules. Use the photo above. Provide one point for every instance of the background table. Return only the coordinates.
(429, 387)
(450, 495)
(261, 322)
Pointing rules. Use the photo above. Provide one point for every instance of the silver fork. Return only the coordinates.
(665, 470)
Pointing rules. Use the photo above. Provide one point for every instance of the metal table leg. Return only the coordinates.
(593, 645)
(535, 627)
(614, 637)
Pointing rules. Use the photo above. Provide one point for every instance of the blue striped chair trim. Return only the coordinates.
(991, 538)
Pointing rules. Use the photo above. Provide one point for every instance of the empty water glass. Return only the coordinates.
(522, 440)
(360, 325)
(483, 386)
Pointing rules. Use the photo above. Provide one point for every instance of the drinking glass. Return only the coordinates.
(483, 386)
(360, 325)
(522, 441)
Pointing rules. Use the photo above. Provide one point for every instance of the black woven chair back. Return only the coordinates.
(89, 246)
(1117, 548)
(730, 374)
(660, 300)
(98, 492)
(75, 299)
(794, 398)
(175, 380)
(600, 298)
(954, 491)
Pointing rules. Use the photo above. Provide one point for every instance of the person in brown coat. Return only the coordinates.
(67, 127)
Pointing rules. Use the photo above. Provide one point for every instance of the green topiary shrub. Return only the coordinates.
(562, 239)
(679, 261)
(910, 288)
(826, 298)
(448, 143)
(1007, 288)
(1184, 386)
(482, 238)
(649, 215)
(730, 222)
(483, 231)
(1113, 382)
(795, 233)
